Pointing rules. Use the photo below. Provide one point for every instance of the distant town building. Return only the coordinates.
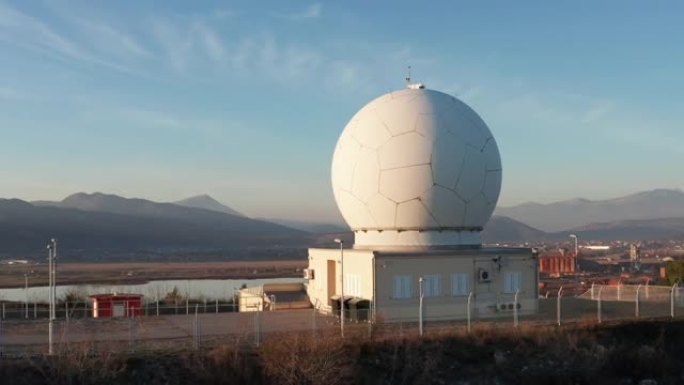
(557, 264)
(634, 252)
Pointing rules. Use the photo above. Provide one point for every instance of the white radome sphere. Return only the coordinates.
(416, 167)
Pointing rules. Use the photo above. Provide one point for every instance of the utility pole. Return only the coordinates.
(26, 293)
(574, 236)
(341, 242)
(52, 266)
(420, 305)
(50, 326)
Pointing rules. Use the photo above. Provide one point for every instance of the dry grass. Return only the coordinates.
(624, 353)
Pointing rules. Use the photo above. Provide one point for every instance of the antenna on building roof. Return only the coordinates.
(413, 86)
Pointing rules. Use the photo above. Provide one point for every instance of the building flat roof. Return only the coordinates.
(115, 296)
(452, 252)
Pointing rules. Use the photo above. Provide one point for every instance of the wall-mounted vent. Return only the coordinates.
(483, 275)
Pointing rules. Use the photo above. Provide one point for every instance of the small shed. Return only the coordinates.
(116, 305)
(272, 296)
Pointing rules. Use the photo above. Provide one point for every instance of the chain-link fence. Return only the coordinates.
(197, 324)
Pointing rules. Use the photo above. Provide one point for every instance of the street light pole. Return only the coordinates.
(574, 236)
(52, 255)
(50, 326)
(54, 278)
(26, 293)
(341, 242)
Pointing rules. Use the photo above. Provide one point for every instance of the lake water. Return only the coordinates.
(210, 289)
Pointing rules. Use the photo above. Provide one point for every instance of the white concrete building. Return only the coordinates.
(416, 174)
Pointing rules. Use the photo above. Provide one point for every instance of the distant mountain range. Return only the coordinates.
(507, 230)
(102, 226)
(503, 229)
(644, 229)
(571, 214)
(311, 227)
(207, 203)
(106, 225)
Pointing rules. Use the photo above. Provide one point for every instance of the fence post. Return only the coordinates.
(157, 306)
(672, 300)
(636, 302)
(131, 334)
(313, 323)
(648, 281)
(195, 330)
(592, 291)
(370, 323)
(619, 290)
(66, 311)
(558, 305)
(35, 310)
(420, 306)
(599, 304)
(257, 328)
(3, 310)
(187, 310)
(515, 308)
(470, 297)
(217, 306)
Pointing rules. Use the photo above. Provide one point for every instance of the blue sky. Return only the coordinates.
(244, 100)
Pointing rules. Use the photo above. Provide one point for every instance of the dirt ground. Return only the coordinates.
(130, 273)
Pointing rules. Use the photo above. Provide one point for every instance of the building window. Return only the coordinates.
(403, 286)
(511, 282)
(352, 285)
(459, 284)
(431, 285)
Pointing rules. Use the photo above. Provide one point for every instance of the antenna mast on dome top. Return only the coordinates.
(413, 86)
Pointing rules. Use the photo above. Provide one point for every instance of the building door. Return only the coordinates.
(332, 279)
(118, 310)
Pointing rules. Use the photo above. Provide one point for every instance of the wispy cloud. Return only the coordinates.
(21, 29)
(598, 111)
(222, 14)
(313, 11)
(211, 41)
(192, 44)
(107, 39)
(26, 31)
(600, 120)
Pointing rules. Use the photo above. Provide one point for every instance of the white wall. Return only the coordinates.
(358, 269)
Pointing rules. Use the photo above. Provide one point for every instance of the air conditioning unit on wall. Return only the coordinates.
(483, 275)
